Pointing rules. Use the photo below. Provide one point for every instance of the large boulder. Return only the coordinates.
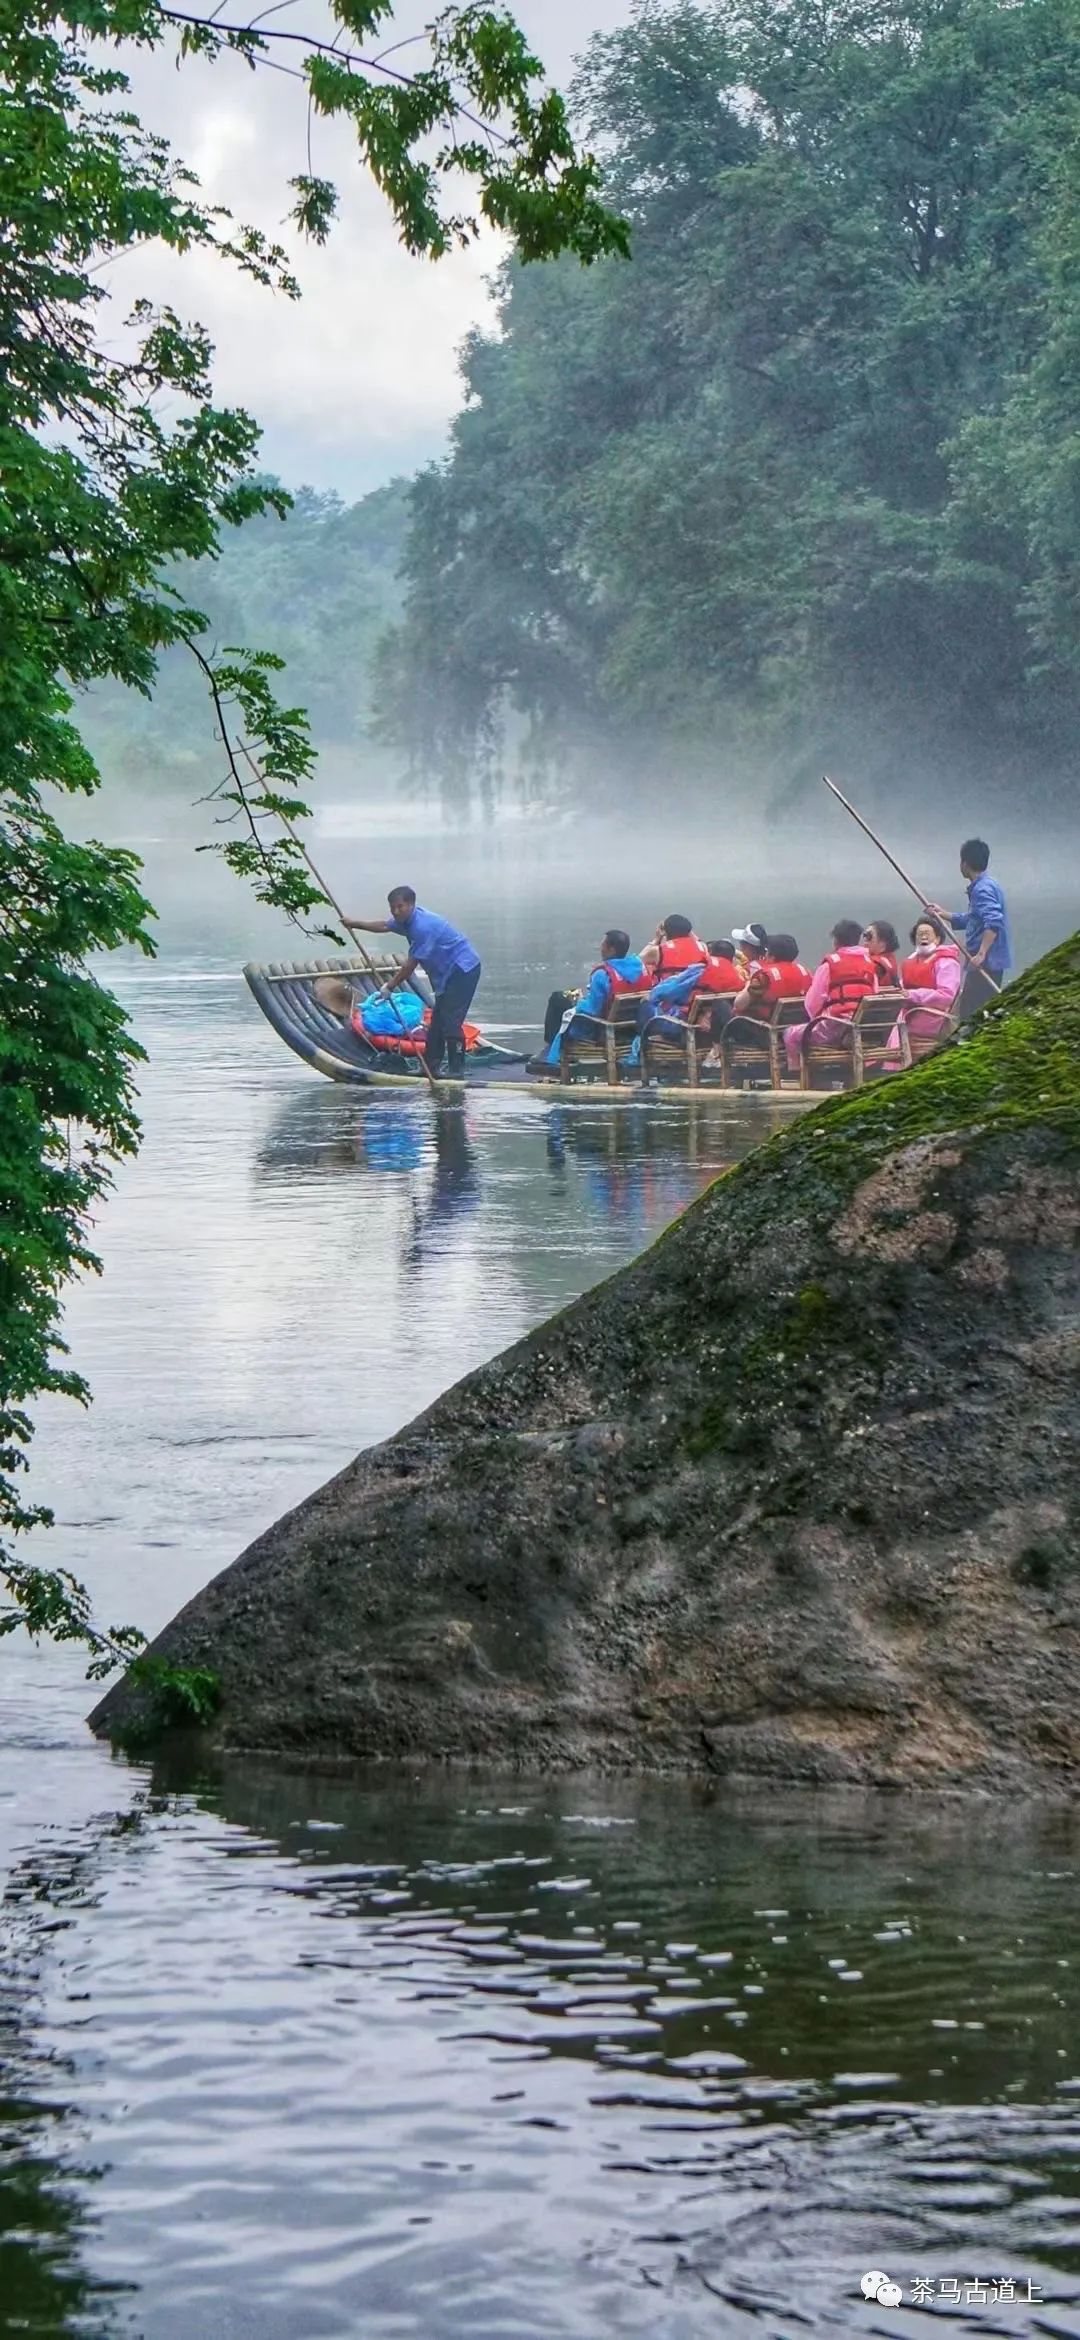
(796, 1494)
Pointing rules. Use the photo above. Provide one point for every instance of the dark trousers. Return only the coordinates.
(975, 993)
(553, 1015)
(745, 1031)
(451, 1007)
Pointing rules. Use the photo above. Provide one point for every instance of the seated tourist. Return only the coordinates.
(932, 978)
(619, 972)
(671, 1000)
(722, 976)
(786, 977)
(750, 942)
(774, 972)
(883, 943)
(847, 975)
(718, 976)
(674, 948)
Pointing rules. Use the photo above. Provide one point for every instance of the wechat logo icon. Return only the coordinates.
(877, 2285)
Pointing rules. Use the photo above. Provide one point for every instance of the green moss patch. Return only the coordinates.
(1016, 1063)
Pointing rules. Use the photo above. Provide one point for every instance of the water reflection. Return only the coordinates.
(46, 2181)
(453, 1192)
(626, 1167)
(299, 2059)
(445, 2058)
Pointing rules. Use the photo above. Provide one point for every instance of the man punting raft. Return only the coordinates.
(453, 970)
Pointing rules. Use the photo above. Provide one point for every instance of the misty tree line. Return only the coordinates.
(804, 476)
(321, 585)
(800, 481)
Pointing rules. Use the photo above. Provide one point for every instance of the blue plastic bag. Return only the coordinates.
(396, 1018)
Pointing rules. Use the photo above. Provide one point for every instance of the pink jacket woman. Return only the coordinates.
(931, 977)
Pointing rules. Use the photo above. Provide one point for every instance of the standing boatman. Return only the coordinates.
(449, 962)
(984, 925)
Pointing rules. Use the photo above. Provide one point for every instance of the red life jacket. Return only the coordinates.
(888, 973)
(718, 975)
(852, 978)
(621, 984)
(409, 1043)
(392, 1043)
(922, 974)
(679, 953)
(396, 1043)
(778, 979)
(788, 978)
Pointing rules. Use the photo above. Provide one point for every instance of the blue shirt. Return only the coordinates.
(439, 947)
(674, 992)
(986, 908)
(596, 999)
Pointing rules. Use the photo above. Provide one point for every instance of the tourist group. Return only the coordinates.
(738, 1009)
(745, 1007)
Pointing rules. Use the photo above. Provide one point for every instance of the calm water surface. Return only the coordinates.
(291, 2055)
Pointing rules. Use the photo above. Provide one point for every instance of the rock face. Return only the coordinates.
(795, 1495)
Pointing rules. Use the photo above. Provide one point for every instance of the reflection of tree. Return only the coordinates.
(45, 2190)
(984, 1896)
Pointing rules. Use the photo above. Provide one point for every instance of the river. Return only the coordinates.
(290, 2056)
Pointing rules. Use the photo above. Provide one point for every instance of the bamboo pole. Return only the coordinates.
(908, 881)
(335, 906)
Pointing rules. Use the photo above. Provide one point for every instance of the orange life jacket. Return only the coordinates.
(788, 978)
(773, 980)
(922, 974)
(410, 1043)
(393, 1043)
(679, 952)
(719, 975)
(852, 978)
(621, 984)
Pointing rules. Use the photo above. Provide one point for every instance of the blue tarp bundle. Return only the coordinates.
(395, 1018)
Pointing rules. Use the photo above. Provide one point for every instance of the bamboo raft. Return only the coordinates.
(288, 992)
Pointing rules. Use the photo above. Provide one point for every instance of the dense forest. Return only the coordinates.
(801, 481)
(798, 485)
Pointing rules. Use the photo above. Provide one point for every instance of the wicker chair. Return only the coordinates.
(672, 1048)
(867, 1048)
(593, 1050)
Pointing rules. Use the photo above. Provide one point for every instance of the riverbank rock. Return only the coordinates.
(794, 1495)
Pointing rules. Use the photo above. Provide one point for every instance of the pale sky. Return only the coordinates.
(359, 379)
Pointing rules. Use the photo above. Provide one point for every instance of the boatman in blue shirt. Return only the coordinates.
(984, 925)
(449, 962)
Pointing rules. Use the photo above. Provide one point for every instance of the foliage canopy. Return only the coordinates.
(806, 476)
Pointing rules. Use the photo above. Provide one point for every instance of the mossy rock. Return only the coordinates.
(795, 1494)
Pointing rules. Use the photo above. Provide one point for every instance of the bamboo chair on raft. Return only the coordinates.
(672, 1050)
(924, 1043)
(867, 1046)
(596, 1052)
(752, 1047)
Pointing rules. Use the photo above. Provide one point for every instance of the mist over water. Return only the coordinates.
(537, 893)
(288, 2055)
